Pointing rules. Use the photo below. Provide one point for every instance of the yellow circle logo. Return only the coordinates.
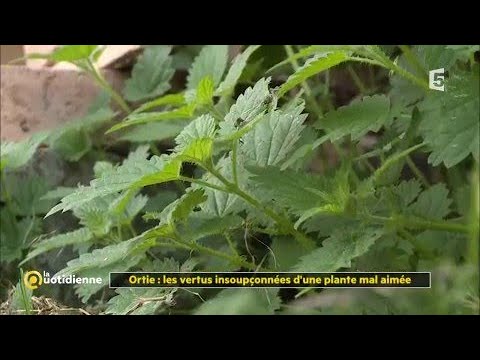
(32, 279)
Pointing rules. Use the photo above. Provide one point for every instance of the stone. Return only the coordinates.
(34, 100)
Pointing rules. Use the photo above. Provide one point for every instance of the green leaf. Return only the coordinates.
(435, 56)
(242, 302)
(212, 62)
(154, 131)
(195, 142)
(317, 49)
(74, 140)
(183, 112)
(228, 84)
(221, 203)
(357, 118)
(339, 250)
(407, 191)
(151, 74)
(203, 225)
(108, 255)
(94, 215)
(301, 192)
(26, 194)
(270, 142)
(286, 252)
(135, 172)
(72, 144)
(312, 67)
(174, 100)
(433, 203)
(251, 103)
(131, 301)
(451, 120)
(204, 92)
(146, 301)
(16, 154)
(76, 237)
(58, 193)
(16, 235)
(70, 53)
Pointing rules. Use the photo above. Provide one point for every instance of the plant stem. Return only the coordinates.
(234, 162)
(413, 60)
(105, 85)
(231, 244)
(474, 217)
(308, 91)
(356, 79)
(417, 171)
(417, 223)
(282, 221)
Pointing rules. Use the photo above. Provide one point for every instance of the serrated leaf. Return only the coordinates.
(15, 235)
(26, 194)
(339, 250)
(108, 255)
(150, 75)
(270, 142)
(212, 62)
(85, 291)
(312, 67)
(285, 252)
(183, 112)
(199, 227)
(221, 203)
(357, 118)
(433, 203)
(94, 215)
(58, 193)
(16, 154)
(204, 91)
(75, 237)
(300, 192)
(228, 84)
(407, 191)
(249, 105)
(195, 142)
(242, 302)
(135, 172)
(451, 120)
(139, 301)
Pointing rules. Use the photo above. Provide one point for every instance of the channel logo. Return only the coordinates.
(32, 279)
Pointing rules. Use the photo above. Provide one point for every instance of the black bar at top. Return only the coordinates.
(271, 279)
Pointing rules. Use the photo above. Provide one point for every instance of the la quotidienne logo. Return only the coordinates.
(33, 279)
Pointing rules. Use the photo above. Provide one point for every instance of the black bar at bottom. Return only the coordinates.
(271, 279)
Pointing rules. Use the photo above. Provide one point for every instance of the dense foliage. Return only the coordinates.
(306, 158)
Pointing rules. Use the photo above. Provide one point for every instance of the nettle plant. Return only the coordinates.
(245, 199)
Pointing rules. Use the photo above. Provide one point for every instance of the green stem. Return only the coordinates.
(419, 224)
(474, 217)
(417, 171)
(389, 64)
(413, 60)
(106, 86)
(308, 91)
(282, 221)
(234, 162)
(202, 183)
(231, 244)
(356, 79)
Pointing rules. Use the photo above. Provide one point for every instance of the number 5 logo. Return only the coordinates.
(436, 79)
